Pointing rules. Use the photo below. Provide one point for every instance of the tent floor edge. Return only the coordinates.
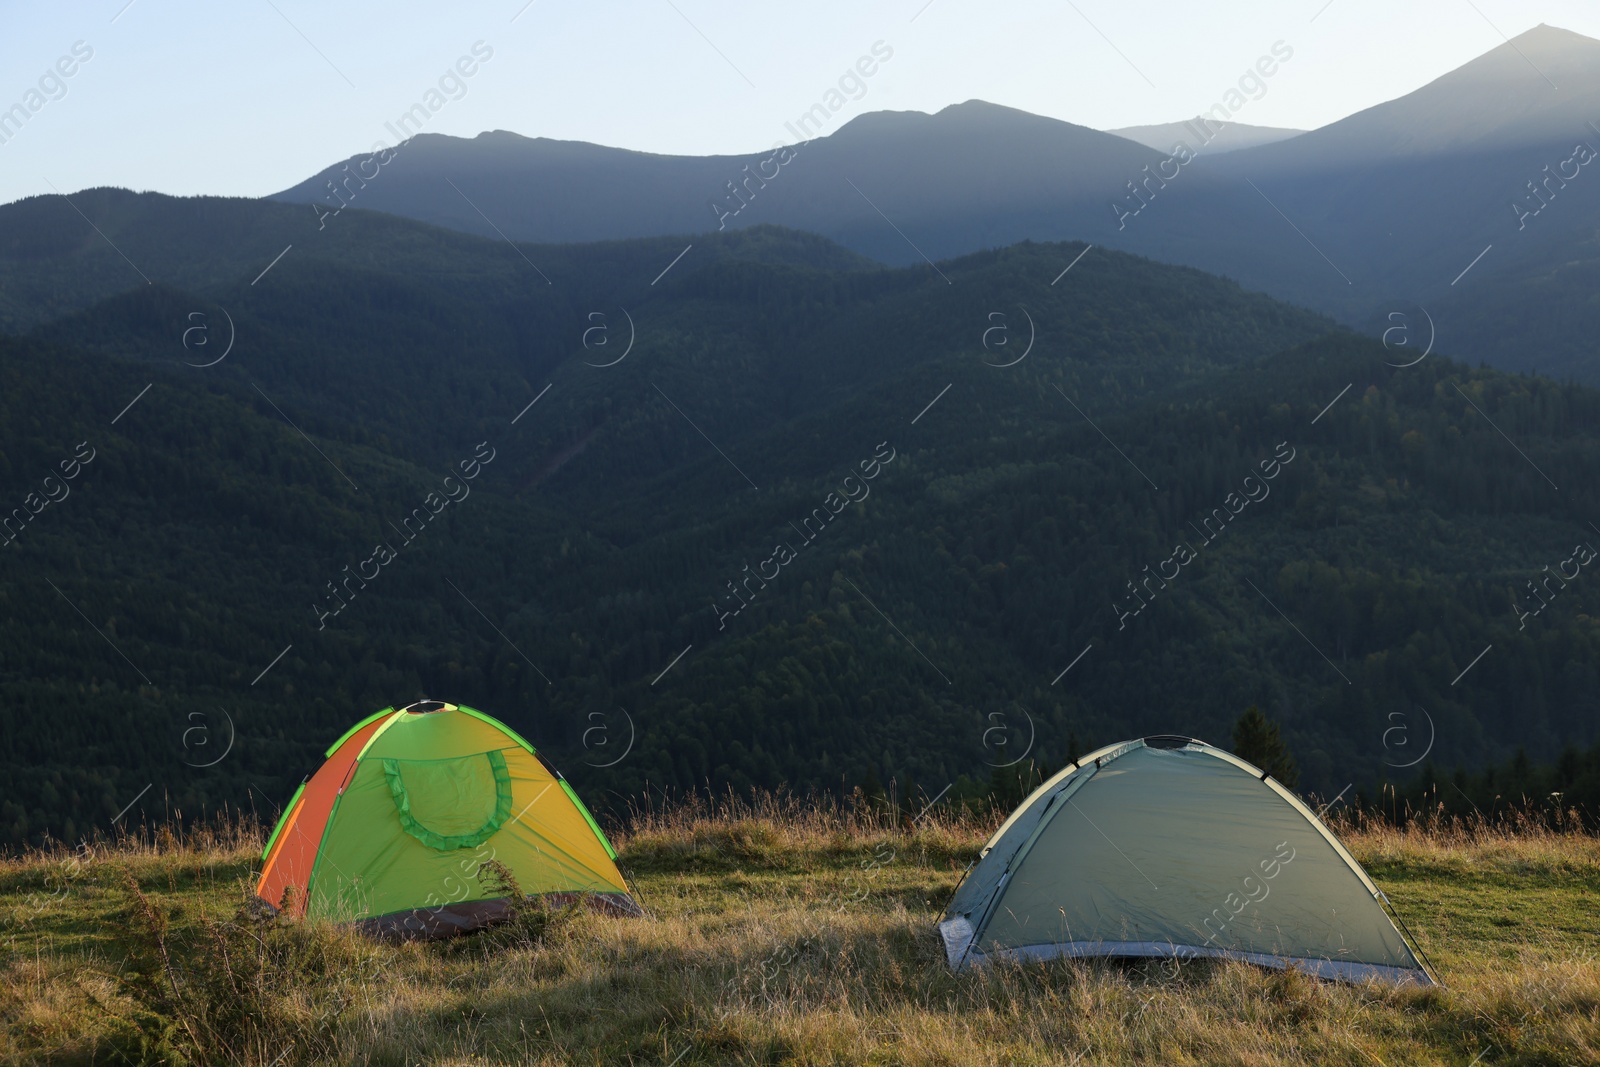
(1315, 967)
(454, 920)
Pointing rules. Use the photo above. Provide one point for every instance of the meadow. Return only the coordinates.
(781, 931)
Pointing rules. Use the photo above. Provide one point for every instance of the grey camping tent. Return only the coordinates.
(1168, 847)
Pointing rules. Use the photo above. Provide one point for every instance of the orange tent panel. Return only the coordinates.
(294, 851)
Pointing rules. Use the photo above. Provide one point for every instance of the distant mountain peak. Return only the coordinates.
(1536, 90)
(1222, 136)
(979, 118)
(1543, 53)
(1546, 34)
(976, 106)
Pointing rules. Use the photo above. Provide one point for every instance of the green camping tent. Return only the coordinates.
(1168, 847)
(395, 831)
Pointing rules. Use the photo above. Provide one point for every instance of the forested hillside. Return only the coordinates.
(823, 521)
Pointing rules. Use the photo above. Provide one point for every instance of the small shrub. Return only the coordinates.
(232, 991)
(531, 920)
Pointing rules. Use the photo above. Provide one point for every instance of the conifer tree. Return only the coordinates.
(1256, 738)
(872, 787)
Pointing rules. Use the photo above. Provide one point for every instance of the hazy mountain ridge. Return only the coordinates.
(908, 163)
(1218, 136)
(1375, 213)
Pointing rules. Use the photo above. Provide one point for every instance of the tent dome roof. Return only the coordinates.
(1166, 846)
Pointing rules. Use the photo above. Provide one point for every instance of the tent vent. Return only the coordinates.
(423, 707)
(1167, 741)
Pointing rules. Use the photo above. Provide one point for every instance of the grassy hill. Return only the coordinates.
(778, 933)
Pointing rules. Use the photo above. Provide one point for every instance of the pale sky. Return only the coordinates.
(248, 98)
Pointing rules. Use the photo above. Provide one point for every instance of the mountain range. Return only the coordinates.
(1380, 213)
